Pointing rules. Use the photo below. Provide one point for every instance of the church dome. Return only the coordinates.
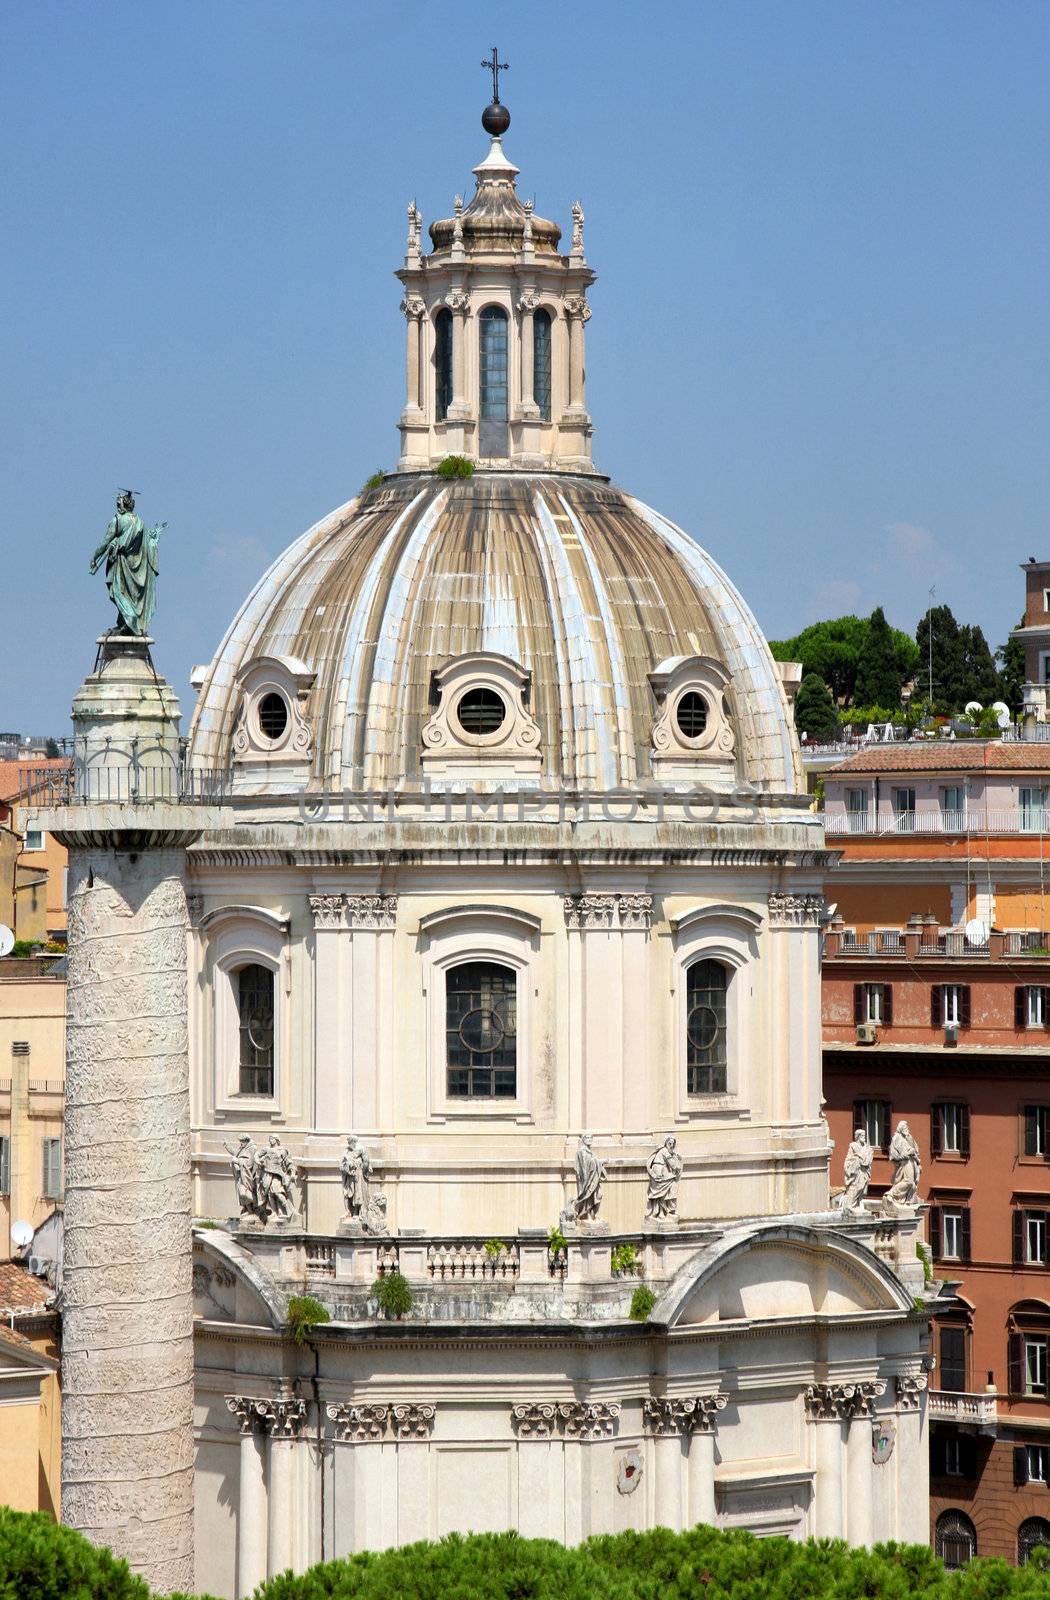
(594, 601)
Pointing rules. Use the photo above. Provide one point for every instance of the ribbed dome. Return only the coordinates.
(582, 585)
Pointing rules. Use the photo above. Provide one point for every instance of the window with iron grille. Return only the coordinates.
(1033, 1532)
(541, 362)
(707, 984)
(955, 1539)
(51, 1176)
(255, 1010)
(481, 1031)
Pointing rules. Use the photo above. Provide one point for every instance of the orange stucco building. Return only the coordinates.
(936, 1011)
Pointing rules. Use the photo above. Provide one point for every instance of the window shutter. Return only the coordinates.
(1020, 1462)
(964, 1005)
(968, 1456)
(1018, 1238)
(5, 1164)
(858, 1002)
(936, 1115)
(1031, 1130)
(936, 1005)
(887, 1005)
(1046, 1015)
(858, 1116)
(937, 1461)
(885, 1112)
(1019, 1014)
(965, 1230)
(935, 1232)
(1014, 1368)
(964, 1129)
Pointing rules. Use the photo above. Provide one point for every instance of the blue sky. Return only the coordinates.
(821, 331)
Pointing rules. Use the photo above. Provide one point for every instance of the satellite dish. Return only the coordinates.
(976, 932)
(21, 1235)
(7, 940)
(1002, 713)
(973, 708)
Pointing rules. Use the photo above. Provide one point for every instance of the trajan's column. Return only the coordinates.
(127, 1365)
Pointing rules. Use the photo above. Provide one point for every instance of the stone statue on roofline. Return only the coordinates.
(129, 551)
(364, 1213)
(590, 1176)
(857, 1172)
(664, 1168)
(264, 1177)
(902, 1196)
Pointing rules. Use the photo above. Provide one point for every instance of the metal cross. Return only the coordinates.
(495, 66)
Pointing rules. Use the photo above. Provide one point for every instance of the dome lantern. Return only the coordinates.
(495, 365)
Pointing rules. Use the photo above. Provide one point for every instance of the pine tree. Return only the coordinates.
(878, 673)
(980, 679)
(815, 713)
(949, 682)
(1012, 675)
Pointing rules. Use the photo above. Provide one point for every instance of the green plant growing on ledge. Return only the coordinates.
(393, 1294)
(26, 947)
(494, 1248)
(374, 481)
(624, 1258)
(304, 1315)
(455, 467)
(922, 1251)
(556, 1241)
(642, 1302)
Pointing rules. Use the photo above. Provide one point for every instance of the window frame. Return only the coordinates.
(49, 1189)
(962, 1364)
(1025, 1546)
(943, 1531)
(728, 935)
(236, 976)
(903, 816)
(694, 966)
(5, 1164)
(884, 1117)
(457, 936)
(233, 937)
(485, 1100)
(940, 1149)
(544, 315)
(1034, 1117)
(33, 849)
(444, 364)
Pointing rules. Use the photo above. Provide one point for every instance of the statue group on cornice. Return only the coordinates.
(264, 1176)
(902, 1197)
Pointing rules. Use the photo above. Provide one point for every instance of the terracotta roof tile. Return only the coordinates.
(947, 756)
(20, 1290)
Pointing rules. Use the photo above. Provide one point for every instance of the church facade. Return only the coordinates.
(502, 936)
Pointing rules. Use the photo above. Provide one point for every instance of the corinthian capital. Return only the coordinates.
(371, 910)
(795, 910)
(414, 306)
(826, 1402)
(357, 1423)
(327, 910)
(576, 306)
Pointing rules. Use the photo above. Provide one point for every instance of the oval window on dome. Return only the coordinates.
(273, 715)
(481, 711)
(691, 714)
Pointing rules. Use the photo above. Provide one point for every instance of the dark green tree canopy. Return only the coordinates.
(815, 713)
(1010, 660)
(833, 650)
(879, 677)
(963, 667)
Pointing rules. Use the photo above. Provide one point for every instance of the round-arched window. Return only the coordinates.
(1032, 1533)
(691, 714)
(955, 1539)
(481, 1030)
(705, 1027)
(442, 364)
(541, 362)
(255, 1013)
(273, 715)
(481, 712)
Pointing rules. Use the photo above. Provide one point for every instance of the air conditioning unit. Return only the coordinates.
(951, 1033)
(867, 1032)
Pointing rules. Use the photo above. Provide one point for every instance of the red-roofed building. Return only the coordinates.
(32, 862)
(30, 1395)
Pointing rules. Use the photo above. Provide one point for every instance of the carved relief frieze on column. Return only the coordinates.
(413, 1421)
(534, 1421)
(286, 1417)
(795, 910)
(582, 1420)
(253, 1416)
(830, 1402)
(589, 911)
(327, 910)
(357, 1423)
(370, 910)
(909, 1390)
(686, 1414)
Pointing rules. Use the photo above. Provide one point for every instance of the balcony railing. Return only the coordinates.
(939, 943)
(976, 821)
(976, 1410)
(128, 775)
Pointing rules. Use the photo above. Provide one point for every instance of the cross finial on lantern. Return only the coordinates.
(495, 66)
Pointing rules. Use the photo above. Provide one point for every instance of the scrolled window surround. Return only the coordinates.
(693, 733)
(264, 742)
(500, 750)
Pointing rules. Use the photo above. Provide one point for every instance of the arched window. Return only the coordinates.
(442, 364)
(493, 385)
(541, 362)
(1028, 1359)
(481, 1032)
(254, 985)
(1033, 1532)
(955, 1540)
(705, 1027)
